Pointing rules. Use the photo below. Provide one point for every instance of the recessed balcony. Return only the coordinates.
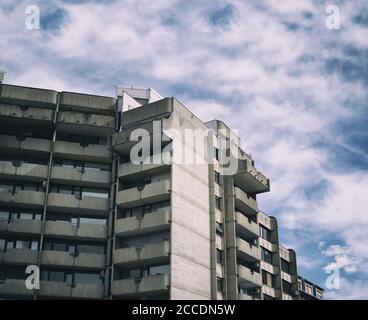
(27, 114)
(25, 172)
(87, 103)
(248, 252)
(69, 260)
(151, 222)
(24, 227)
(28, 145)
(91, 178)
(148, 254)
(54, 289)
(92, 152)
(244, 202)
(83, 232)
(28, 96)
(249, 278)
(85, 123)
(23, 198)
(150, 285)
(153, 192)
(69, 203)
(18, 256)
(250, 179)
(246, 226)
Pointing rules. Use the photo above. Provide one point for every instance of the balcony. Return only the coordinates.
(91, 178)
(28, 96)
(28, 145)
(18, 256)
(249, 279)
(248, 252)
(24, 198)
(153, 192)
(53, 289)
(14, 288)
(68, 260)
(243, 296)
(69, 203)
(151, 222)
(248, 227)
(245, 203)
(25, 227)
(85, 123)
(25, 172)
(151, 285)
(272, 292)
(27, 114)
(83, 232)
(149, 254)
(87, 103)
(249, 179)
(92, 152)
(130, 169)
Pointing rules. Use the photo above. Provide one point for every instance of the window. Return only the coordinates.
(220, 285)
(218, 202)
(216, 154)
(286, 287)
(217, 178)
(285, 266)
(266, 255)
(265, 233)
(164, 269)
(219, 256)
(80, 277)
(267, 278)
(219, 229)
(4, 216)
(2, 244)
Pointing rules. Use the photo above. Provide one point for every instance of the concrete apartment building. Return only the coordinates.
(100, 226)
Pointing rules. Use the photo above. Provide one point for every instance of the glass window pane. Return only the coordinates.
(57, 276)
(4, 215)
(22, 244)
(2, 244)
(34, 245)
(60, 247)
(80, 277)
(26, 216)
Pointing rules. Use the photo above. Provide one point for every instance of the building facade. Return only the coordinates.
(102, 225)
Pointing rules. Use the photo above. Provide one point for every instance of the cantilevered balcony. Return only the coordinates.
(75, 151)
(150, 285)
(66, 230)
(91, 178)
(28, 145)
(65, 259)
(69, 203)
(248, 278)
(250, 179)
(23, 227)
(85, 123)
(32, 97)
(246, 226)
(248, 252)
(86, 103)
(148, 254)
(18, 256)
(54, 289)
(272, 292)
(151, 222)
(153, 192)
(24, 172)
(23, 198)
(244, 202)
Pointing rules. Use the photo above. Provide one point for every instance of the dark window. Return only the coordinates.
(285, 266)
(267, 278)
(217, 178)
(265, 233)
(220, 284)
(219, 256)
(266, 255)
(219, 229)
(218, 201)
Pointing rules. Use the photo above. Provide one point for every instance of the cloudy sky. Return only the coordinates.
(295, 90)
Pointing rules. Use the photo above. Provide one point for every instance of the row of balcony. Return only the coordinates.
(56, 202)
(244, 202)
(246, 225)
(150, 285)
(62, 149)
(247, 252)
(55, 228)
(25, 113)
(54, 258)
(249, 278)
(52, 289)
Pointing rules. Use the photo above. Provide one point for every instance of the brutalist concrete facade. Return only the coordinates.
(102, 227)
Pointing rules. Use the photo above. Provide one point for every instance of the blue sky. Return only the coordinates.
(295, 91)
